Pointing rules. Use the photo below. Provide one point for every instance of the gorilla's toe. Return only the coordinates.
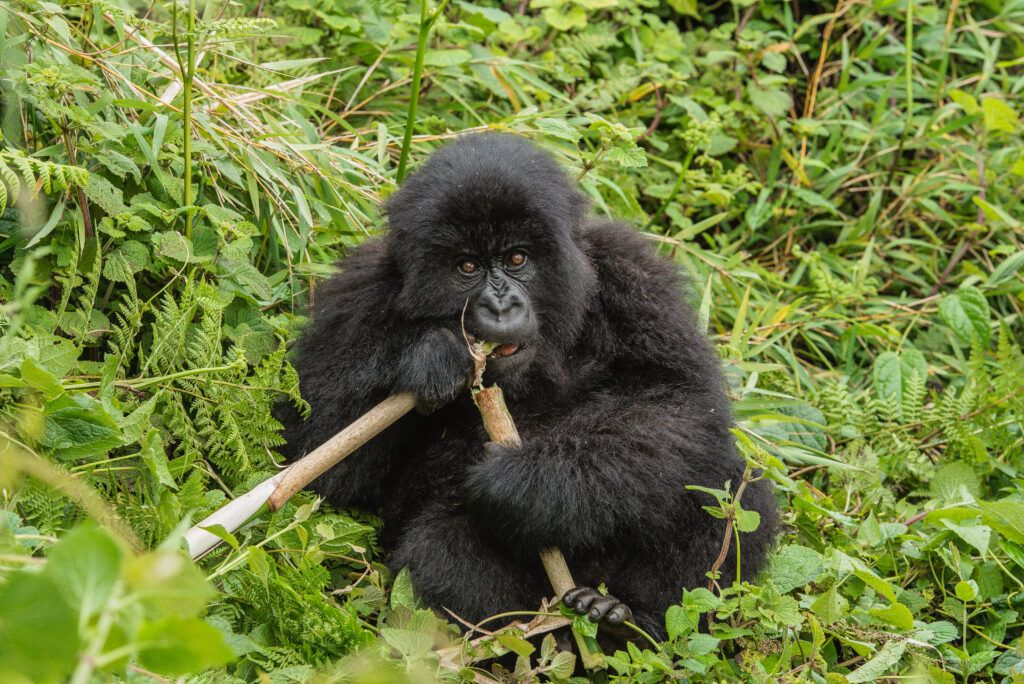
(597, 606)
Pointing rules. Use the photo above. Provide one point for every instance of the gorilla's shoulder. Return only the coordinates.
(623, 256)
(365, 279)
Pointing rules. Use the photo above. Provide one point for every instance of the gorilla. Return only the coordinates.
(617, 394)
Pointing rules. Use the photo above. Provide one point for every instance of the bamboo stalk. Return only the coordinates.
(502, 430)
(275, 491)
(320, 460)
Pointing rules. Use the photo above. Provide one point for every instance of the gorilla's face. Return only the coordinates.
(484, 236)
(499, 309)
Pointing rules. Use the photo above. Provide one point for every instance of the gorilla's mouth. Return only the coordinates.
(504, 350)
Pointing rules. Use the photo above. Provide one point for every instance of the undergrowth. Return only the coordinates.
(841, 182)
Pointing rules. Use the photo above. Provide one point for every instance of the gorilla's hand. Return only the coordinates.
(436, 369)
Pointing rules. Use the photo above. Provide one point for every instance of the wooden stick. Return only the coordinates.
(502, 430)
(275, 491)
(320, 460)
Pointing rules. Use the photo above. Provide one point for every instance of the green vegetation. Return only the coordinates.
(842, 182)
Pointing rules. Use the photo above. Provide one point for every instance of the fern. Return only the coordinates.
(35, 174)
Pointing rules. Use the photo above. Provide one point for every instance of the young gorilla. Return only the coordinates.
(616, 393)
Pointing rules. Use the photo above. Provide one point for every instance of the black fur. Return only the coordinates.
(619, 397)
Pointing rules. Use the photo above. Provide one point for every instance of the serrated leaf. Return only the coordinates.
(123, 263)
(794, 566)
(559, 129)
(966, 312)
(773, 102)
(951, 480)
(830, 606)
(402, 592)
(883, 662)
(103, 193)
(78, 426)
(747, 521)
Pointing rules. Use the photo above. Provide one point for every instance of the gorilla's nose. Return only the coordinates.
(501, 317)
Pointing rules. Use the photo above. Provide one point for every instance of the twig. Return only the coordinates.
(730, 519)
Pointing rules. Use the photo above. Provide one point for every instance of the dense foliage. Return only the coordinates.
(842, 182)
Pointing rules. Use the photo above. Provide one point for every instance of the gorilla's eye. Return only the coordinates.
(468, 266)
(515, 258)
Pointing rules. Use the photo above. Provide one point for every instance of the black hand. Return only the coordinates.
(436, 370)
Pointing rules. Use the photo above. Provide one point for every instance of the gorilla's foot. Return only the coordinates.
(597, 606)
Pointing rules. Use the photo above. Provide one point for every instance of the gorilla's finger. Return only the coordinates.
(602, 604)
(570, 596)
(619, 614)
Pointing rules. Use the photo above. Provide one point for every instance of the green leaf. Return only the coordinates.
(630, 156)
(177, 646)
(701, 600)
(966, 312)
(516, 644)
(411, 644)
(702, 644)
(977, 536)
(883, 662)
(565, 19)
(129, 258)
(747, 521)
(678, 622)
(402, 592)
(562, 665)
(685, 7)
(558, 128)
(830, 606)
(896, 614)
(156, 460)
(172, 245)
(966, 101)
(102, 192)
(966, 590)
(952, 479)
(446, 58)
(999, 116)
(77, 425)
(774, 102)
(39, 637)
(86, 565)
(1005, 517)
(165, 582)
(893, 374)
(794, 566)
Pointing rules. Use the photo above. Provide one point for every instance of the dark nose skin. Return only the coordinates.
(501, 313)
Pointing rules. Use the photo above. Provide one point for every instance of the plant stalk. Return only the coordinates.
(426, 23)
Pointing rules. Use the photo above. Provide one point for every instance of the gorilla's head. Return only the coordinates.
(490, 225)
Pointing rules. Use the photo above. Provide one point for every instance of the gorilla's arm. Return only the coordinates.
(356, 351)
(614, 467)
